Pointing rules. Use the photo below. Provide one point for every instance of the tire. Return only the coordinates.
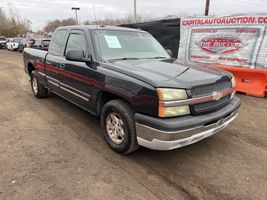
(38, 90)
(125, 122)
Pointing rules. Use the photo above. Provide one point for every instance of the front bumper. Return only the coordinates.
(166, 134)
(15, 47)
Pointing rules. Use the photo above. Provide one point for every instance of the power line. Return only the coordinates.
(253, 3)
(249, 3)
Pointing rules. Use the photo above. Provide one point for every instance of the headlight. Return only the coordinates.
(233, 82)
(173, 111)
(168, 94)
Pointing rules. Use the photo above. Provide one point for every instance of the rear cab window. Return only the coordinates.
(57, 44)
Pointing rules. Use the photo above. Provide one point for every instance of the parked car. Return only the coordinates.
(30, 43)
(142, 96)
(22, 44)
(2, 42)
(42, 44)
(13, 44)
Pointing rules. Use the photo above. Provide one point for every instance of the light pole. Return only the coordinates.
(76, 9)
(29, 26)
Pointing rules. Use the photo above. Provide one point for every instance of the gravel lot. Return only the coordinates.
(51, 149)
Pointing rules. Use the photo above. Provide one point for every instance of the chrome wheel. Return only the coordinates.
(115, 128)
(34, 85)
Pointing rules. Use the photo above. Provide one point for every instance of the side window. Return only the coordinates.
(36, 43)
(76, 41)
(58, 42)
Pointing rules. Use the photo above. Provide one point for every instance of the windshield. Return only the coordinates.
(127, 45)
(17, 40)
(46, 42)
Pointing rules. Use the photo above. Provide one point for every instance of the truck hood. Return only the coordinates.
(169, 73)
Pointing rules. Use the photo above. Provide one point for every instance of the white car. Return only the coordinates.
(13, 44)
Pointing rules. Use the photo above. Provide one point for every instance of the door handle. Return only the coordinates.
(61, 66)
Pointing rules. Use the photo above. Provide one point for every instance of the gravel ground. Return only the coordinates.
(51, 149)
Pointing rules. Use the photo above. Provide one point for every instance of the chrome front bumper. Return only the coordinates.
(186, 137)
(167, 134)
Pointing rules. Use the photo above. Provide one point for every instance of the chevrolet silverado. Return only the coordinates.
(142, 95)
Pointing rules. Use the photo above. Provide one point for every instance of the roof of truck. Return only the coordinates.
(101, 27)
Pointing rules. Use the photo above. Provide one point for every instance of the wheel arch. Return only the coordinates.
(103, 97)
(30, 68)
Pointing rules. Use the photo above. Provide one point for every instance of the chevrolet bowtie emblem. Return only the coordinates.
(217, 95)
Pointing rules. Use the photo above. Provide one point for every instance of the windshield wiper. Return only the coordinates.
(132, 58)
(157, 57)
(126, 58)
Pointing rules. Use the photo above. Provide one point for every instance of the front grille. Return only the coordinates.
(210, 106)
(206, 90)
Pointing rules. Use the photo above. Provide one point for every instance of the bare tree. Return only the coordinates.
(52, 25)
(117, 21)
(11, 26)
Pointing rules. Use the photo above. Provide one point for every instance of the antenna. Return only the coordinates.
(135, 14)
(94, 10)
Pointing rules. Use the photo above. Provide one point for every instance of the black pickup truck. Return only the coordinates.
(142, 96)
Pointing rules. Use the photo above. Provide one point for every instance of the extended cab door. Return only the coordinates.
(55, 58)
(77, 79)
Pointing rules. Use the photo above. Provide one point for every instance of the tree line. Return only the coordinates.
(53, 24)
(12, 26)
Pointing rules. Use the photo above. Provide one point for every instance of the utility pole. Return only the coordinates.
(76, 9)
(135, 12)
(207, 7)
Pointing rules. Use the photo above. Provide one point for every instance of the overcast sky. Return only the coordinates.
(40, 11)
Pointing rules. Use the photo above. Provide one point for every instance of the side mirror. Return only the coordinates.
(76, 55)
(169, 52)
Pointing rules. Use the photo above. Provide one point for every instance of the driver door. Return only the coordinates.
(76, 78)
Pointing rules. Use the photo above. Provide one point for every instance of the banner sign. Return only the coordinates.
(234, 40)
